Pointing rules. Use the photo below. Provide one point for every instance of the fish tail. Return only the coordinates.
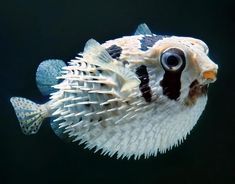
(29, 114)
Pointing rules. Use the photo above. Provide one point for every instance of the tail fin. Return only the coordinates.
(29, 114)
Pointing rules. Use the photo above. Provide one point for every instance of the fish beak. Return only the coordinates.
(210, 75)
(208, 70)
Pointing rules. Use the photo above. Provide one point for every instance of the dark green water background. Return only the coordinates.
(31, 31)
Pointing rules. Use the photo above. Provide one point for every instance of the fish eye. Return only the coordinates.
(173, 59)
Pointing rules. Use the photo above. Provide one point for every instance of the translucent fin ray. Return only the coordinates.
(143, 29)
(95, 54)
(47, 74)
(29, 114)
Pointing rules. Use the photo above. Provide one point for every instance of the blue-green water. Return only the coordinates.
(31, 31)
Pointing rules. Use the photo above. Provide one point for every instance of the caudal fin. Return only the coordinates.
(29, 114)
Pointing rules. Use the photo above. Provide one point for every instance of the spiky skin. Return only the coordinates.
(91, 108)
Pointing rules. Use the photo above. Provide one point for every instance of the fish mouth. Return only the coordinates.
(196, 91)
(210, 76)
(197, 88)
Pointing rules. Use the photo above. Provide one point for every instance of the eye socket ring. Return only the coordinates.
(173, 60)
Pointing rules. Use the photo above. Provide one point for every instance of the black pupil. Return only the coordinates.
(172, 61)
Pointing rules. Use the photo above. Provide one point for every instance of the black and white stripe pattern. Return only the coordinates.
(149, 41)
(114, 51)
(144, 87)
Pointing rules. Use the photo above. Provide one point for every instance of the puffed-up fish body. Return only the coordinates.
(135, 95)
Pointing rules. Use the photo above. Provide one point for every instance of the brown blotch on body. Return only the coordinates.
(195, 92)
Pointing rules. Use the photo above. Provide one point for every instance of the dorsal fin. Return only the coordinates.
(95, 54)
(143, 29)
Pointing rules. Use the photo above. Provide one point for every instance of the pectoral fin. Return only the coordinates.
(95, 54)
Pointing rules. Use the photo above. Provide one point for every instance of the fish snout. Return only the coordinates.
(210, 75)
(208, 71)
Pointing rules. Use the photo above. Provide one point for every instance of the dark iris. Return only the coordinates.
(173, 59)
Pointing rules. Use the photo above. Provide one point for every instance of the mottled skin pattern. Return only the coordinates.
(125, 122)
(135, 95)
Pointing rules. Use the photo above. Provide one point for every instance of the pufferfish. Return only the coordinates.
(131, 96)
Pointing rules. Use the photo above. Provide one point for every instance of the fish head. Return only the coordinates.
(185, 67)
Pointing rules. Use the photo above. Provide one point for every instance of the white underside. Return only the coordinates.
(150, 132)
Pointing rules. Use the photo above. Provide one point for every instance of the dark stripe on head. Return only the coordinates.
(114, 51)
(149, 41)
(173, 62)
(142, 74)
(171, 85)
